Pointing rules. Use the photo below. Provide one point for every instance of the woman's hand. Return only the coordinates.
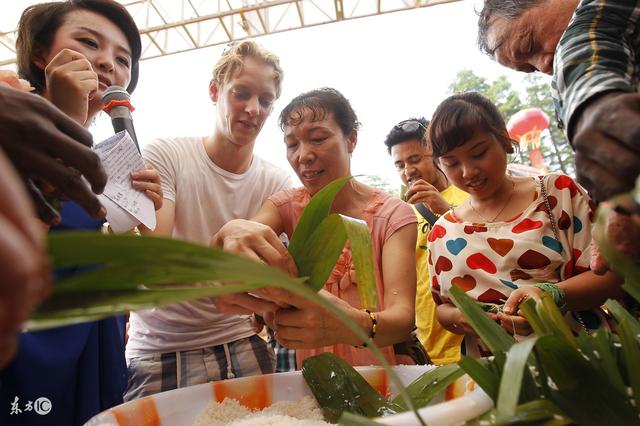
(258, 242)
(520, 295)
(509, 319)
(452, 319)
(307, 325)
(71, 81)
(514, 324)
(148, 181)
(255, 241)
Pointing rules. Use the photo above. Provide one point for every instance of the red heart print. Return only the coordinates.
(480, 261)
(565, 182)
(565, 221)
(502, 246)
(443, 264)
(470, 229)
(465, 283)
(542, 207)
(436, 232)
(526, 225)
(532, 259)
(492, 296)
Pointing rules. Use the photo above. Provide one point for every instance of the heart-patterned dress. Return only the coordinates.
(490, 260)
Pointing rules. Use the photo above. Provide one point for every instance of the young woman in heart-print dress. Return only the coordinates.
(501, 246)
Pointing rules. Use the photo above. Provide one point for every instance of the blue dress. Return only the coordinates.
(79, 369)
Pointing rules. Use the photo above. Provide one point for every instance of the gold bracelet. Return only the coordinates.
(374, 327)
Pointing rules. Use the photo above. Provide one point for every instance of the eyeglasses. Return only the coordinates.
(410, 162)
(409, 126)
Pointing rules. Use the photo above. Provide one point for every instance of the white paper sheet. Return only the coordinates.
(126, 207)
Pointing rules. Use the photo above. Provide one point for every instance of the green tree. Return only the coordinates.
(467, 80)
(555, 148)
(380, 183)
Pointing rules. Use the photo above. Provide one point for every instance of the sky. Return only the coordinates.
(391, 67)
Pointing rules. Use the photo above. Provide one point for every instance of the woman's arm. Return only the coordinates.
(452, 319)
(588, 290)
(397, 320)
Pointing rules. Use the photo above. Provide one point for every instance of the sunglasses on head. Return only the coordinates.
(410, 125)
(229, 47)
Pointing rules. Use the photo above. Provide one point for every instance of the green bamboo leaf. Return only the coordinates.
(322, 251)
(362, 254)
(497, 363)
(553, 319)
(75, 307)
(313, 239)
(478, 370)
(598, 350)
(528, 309)
(602, 353)
(125, 261)
(578, 390)
(619, 313)
(111, 271)
(325, 246)
(65, 249)
(540, 412)
(315, 212)
(512, 378)
(430, 384)
(631, 354)
(494, 336)
(338, 387)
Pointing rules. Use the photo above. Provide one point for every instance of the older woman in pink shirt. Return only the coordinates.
(320, 133)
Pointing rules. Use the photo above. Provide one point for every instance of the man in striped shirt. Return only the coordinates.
(592, 49)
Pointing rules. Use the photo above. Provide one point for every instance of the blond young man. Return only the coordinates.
(206, 182)
(430, 195)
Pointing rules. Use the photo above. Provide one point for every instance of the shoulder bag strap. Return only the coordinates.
(428, 215)
(547, 204)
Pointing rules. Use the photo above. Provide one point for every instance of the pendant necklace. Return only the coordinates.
(513, 187)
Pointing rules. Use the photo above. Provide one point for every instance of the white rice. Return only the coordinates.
(303, 412)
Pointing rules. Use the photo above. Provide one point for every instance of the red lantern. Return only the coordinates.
(525, 126)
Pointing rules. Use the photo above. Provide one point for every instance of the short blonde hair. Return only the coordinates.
(233, 57)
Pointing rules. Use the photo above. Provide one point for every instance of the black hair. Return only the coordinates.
(320, 102)
(398, 134)
(459, 116)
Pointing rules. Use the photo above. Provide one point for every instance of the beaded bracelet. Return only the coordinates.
(557, 294)
(374, 325)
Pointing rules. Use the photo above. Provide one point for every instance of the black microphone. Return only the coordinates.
(117, 103)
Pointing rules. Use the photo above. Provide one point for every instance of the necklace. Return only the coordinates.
(513, 187)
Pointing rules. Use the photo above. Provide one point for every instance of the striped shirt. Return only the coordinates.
(598, 52)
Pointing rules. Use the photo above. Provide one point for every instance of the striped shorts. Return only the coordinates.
(155, 373)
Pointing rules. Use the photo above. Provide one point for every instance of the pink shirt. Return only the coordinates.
(385, 215)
